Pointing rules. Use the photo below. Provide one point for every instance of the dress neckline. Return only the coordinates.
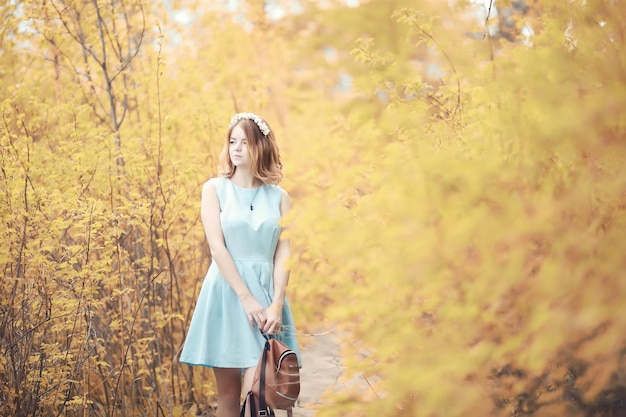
(244, 188)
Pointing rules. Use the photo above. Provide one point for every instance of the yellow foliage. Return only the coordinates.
(484, 232)
(458, 209)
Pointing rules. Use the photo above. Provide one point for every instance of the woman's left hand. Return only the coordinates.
(274, 315)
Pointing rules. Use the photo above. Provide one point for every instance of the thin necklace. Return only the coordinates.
(254, 196)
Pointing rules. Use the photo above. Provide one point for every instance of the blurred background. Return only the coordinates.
(456, 171)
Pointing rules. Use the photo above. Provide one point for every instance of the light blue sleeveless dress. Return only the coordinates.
(219, 334)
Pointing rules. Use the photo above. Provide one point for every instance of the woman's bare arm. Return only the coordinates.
(210, 213)
(281, 272)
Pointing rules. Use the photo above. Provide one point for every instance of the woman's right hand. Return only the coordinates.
(254, 311)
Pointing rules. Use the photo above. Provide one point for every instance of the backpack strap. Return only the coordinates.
(264, 410)
(262, 404)
(252, 405)
(250, 397)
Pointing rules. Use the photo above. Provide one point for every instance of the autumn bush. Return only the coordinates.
(458, 199)
(476, 231)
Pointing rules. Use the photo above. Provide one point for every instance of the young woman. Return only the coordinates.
(244, 289)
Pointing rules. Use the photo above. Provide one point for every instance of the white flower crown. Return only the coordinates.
(265, 129)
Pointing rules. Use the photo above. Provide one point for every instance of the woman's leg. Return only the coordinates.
(248, 375)
(228, 391)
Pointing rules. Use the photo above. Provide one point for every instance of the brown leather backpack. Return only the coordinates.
(276, 382)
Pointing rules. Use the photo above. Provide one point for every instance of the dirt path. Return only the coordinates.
(321, 371)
